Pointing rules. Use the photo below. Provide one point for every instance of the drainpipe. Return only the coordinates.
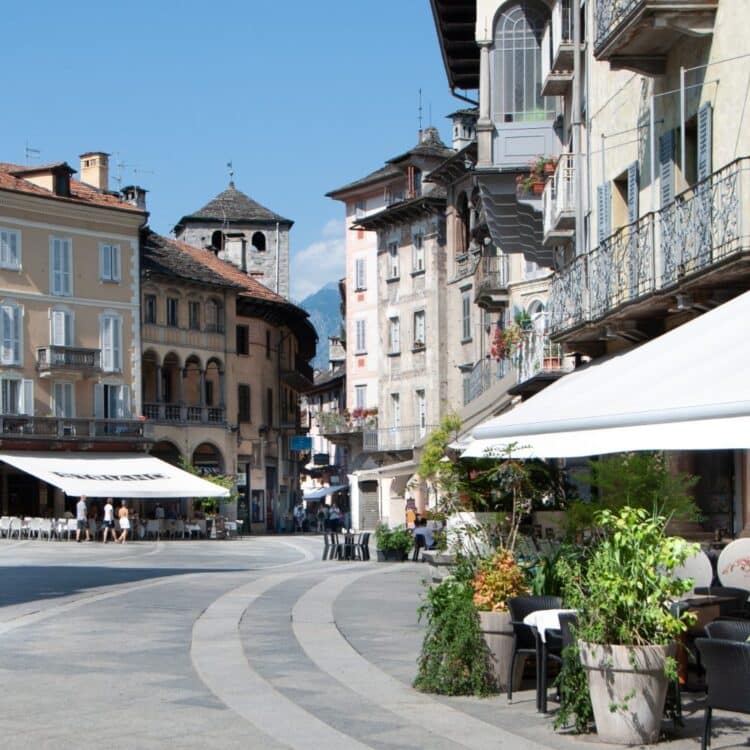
(577, 112)
(278, 260)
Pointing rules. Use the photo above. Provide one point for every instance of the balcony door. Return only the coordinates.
(62, 328)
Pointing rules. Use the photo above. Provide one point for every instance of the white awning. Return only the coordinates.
(322, 492)
(112, 475)
(685, 390)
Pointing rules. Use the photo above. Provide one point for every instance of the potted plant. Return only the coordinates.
(626, 627)
(393, 544)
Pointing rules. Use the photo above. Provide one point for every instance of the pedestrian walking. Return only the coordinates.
(123, 514)
(82, 519)
(109, 520)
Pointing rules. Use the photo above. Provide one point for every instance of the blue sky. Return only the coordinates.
(302, 97)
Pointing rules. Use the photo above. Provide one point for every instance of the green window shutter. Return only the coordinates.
(633, 188)
(604, 211)
(666, 168)
(704, 141)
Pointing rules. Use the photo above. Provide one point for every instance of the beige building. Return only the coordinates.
(70, 374)
(225, 360)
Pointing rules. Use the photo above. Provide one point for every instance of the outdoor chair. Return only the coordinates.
(5, 527)
(32, 528)
(153, 529)
(728, 630)
(524, 641)
(327, 544)
(16, 527)
(727, 665)
(362, 547)
(45, 528)
(179, 529)
(736, 608)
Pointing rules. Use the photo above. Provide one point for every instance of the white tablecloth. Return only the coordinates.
(546, 619)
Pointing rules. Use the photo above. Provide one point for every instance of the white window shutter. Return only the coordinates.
(116, 344)
(98, 401)
(604, 211)
(4, 248)
(56, 267)
(704, 141)
(8, 327)
(105, 262)
(106, 336)
(116, 262)
(26, 397)
(124, 402)
(666, 168)
(633, 188)
(61, 328)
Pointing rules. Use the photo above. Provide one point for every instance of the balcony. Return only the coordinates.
(638, 34)
(538, 362)
(492, 277)
(466, 264)
(334, 423)
(557, 51)
(559, 203)
(300, 377)
(45, 430)
(394, 438)
(483, 376)
(53, 359)
(698, 245)
(183, 415)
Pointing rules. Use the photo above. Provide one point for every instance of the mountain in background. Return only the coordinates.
(324, 307)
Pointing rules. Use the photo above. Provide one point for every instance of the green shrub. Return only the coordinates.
(397, 539)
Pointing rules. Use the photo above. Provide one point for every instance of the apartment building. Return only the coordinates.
(225, 361)
(644, 216)
(70, 375)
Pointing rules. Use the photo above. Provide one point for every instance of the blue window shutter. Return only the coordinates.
(704, 141)
(666, 168)
(633, 188)
(604, 211)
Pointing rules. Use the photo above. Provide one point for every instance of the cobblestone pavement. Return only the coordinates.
(251, 643)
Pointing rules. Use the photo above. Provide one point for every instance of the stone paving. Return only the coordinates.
(250, 643)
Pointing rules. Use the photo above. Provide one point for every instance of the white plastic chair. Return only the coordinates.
(16, 527)
(5, 527)
(179, 529)
(72, 527)
(45, 528)
(153, 528)
(32, 528)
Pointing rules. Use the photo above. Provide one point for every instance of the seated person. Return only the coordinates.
(425, 531)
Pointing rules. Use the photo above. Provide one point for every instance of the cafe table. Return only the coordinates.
(540, 622)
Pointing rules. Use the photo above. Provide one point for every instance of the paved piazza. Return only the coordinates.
(253, 643)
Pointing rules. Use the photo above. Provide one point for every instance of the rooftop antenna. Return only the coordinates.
(420, 111)
(31, 153)
(121, 165)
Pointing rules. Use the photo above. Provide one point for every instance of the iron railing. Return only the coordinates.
(536, 353)
(182, 414)
(492, 273)
(67, 358)
(559, 193)
(483, 376)
(609, 14)
(395, 438)
(47, 428)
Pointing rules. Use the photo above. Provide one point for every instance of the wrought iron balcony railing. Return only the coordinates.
(67, 358)
(536, 354)
(183, 414)
(483, 376)
(559, 201)
(491, 280)
(395, 438)
(13, 426)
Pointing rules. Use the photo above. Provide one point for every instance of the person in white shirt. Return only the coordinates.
(82, 520)
(109, 520)
(425, 531)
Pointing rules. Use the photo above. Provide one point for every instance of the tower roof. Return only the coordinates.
(232, 206)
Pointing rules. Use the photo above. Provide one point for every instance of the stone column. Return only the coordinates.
(222, 382)
(181, 373)
(159, 385)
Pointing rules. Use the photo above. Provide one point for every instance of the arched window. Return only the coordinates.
(217, 240)
(517, 65)
(259, 242)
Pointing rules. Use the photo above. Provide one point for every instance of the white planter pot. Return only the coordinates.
(498, 635)
(631, 675)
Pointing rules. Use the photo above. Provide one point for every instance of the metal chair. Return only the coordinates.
(524, 640)
(362, 547)
(727, 665)
(728, 630)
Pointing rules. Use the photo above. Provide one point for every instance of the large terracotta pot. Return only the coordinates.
(631, 676)
(498, 635)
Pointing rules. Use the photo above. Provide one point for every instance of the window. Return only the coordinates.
(258, 242)
(421, 412)
(268, 343)
(61, 266)
(360, 396)
(149, 308)
(111, 401)
(395, 411)
(466, 315)
(466, 382)
(243, 403)
(12, 316)
(209, 392)
(214, 316)
(173, 307)
(217, 240)
(269, 407)
(17, 395)
(360, 208)
(111, 343)
(395, 336)
(109, 262)
(62, 328)
(360, 274)
(361, 343)
(419, 336)
(243, 343)
(517, 94)
(62, 397)
(10, 249)
(194, 315)
(393, 266)
(418, 253)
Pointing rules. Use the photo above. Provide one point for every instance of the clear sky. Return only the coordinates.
(302, 97)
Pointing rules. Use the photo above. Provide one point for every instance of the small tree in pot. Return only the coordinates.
(393, 544)
(626, 625)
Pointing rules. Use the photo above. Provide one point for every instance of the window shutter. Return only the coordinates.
(61, 333)
(98, 401)
(56, 267)
(116, 345)
(26, 397)
(704, 141)
(116, 262)
(9, 333)
(105, 262)
(666, 168)
(123, 402)
(633, 192)
(5, 248)
(604, 211)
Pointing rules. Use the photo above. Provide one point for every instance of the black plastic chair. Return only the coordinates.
(362, 547)
(326, 546)
(524, 639)
(727, 665)
(736, 608)
(728, 630)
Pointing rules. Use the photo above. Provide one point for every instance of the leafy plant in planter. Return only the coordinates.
(454, 658)
(394, 544)
(626, 627)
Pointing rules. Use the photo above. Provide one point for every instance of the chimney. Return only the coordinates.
(95, 170)
(135, 195)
